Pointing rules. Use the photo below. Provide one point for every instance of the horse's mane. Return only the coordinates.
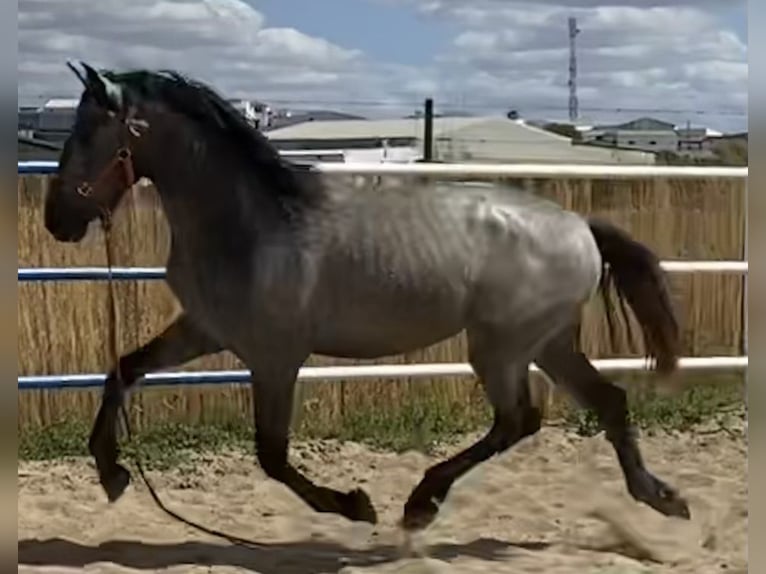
(294, 185)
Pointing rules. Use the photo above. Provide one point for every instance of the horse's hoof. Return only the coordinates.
(670, 503)
(419, 515)
(115, 482)
(358, 507)
(664, 499)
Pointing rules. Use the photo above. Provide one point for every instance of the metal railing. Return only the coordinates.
(524, 170)
(366, 372)
(42, 274)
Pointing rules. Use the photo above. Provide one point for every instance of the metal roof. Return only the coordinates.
(373, 129)
(461, 139)
(61, 103)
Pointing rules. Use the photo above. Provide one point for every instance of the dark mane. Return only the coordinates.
(293, 184)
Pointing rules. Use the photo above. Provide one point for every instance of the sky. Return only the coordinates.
(677, 60)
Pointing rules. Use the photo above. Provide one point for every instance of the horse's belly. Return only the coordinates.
(359, 330)
(372, 341)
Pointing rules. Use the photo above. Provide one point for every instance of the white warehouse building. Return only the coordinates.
(456, 140)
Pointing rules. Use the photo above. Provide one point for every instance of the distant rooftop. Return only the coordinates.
(61, 103)
(488, 138)
(284, 118)
(357, 129)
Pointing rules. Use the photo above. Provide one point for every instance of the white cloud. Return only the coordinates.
(224, 42)
(631, 54)
(438, 6)
(505, 54)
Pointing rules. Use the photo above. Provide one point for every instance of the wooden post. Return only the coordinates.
(428, 131)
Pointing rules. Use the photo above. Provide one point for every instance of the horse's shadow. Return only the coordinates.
(302, 557)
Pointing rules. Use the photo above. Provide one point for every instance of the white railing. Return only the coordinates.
(534, 170)
(489, 171)
(43, 274)
(357, 372)
(354, 372)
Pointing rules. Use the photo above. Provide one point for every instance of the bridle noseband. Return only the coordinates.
(122, 161)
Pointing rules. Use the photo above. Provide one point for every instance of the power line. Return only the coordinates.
(446, 105)
(535, 107)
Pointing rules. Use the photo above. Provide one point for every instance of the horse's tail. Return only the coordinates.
(638, 278)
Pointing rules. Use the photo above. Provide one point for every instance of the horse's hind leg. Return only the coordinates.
(273, 388)
(180, 342)
(573, 371)
(505, 375)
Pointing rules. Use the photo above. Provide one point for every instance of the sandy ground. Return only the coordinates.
(554, 504)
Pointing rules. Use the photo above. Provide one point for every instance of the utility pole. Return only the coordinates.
(428, 131)
(573, 103)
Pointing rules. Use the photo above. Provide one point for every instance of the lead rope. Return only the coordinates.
(106, 223)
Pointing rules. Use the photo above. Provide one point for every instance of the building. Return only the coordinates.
(257, 114)
(644, 134)
(456, 139)
(652, 135)
(51, 122)
(696, 139)
(285, 118)
(28, 119)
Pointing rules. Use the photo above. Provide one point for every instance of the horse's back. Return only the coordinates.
(418, 264)
(537, 255)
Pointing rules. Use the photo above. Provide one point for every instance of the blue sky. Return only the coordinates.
(396, 31)
(384, 31)
(383, 57)
(399, 32)
(736, 16)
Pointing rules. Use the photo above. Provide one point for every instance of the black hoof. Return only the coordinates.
(358, 507)
(670, 503)
(115, 482)
(418, 515)
(664, 499)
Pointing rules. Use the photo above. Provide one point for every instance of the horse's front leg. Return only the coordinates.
(273, 388)
(180, 342)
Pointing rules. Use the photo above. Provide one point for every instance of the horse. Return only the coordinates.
(273, 262)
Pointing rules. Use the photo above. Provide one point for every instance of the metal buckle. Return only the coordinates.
(85, 189)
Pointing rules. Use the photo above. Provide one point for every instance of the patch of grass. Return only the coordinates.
(700, 402)
(416, 425)
(61, 440)
(174, 444)
(419, 423)
(159, 447)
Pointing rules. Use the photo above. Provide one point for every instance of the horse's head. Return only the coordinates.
(96, 166)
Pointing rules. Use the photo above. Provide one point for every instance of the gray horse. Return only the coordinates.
(273, 263)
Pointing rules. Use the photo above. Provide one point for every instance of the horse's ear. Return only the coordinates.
(77, 73)
(108, 93)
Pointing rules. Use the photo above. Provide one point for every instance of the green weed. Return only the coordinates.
(419, 423)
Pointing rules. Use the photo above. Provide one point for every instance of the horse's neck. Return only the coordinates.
(209, 193)
(208, 206)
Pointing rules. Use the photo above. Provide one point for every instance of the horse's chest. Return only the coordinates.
(204, 289)
(227, 294)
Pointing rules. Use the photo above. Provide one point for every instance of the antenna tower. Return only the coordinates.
(573, 103)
